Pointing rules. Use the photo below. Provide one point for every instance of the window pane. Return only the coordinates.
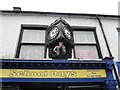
(84, 37)
(33, 36)
(119, 45)
(32, 52)
(86, 52)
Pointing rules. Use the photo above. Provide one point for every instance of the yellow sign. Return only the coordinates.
(33, 73)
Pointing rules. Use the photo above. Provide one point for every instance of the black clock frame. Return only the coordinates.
(60, 37)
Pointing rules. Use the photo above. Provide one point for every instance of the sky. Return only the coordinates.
(109, 7)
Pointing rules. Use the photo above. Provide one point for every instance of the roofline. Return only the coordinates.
(59, 13)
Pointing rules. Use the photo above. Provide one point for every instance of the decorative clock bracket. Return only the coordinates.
(59, 40)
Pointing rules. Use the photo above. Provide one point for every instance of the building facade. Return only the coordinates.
(104, 41)
(23, 37)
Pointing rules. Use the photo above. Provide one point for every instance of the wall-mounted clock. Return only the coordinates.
(67, 33)
(53, 33)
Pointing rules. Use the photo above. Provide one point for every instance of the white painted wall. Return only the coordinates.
(110, 26)
(11, 24)
(1, 35)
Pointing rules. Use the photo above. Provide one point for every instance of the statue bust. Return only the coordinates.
(60, 50)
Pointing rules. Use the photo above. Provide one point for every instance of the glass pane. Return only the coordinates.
(119, 45)
(119, 34)
(86, 52)
(32, 52)
(33, 36)
(84, 37)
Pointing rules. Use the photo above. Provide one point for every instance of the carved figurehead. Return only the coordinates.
(59, 40)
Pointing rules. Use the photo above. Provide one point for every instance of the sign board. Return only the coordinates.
(35, 73)
(84, 54)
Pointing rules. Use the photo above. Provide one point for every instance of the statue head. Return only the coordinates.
(60, 44)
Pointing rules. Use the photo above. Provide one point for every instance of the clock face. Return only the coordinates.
(53, 33)
(67, 33)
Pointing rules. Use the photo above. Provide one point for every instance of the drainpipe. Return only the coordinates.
(116, 74)
(110, 54)
(101, 26)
